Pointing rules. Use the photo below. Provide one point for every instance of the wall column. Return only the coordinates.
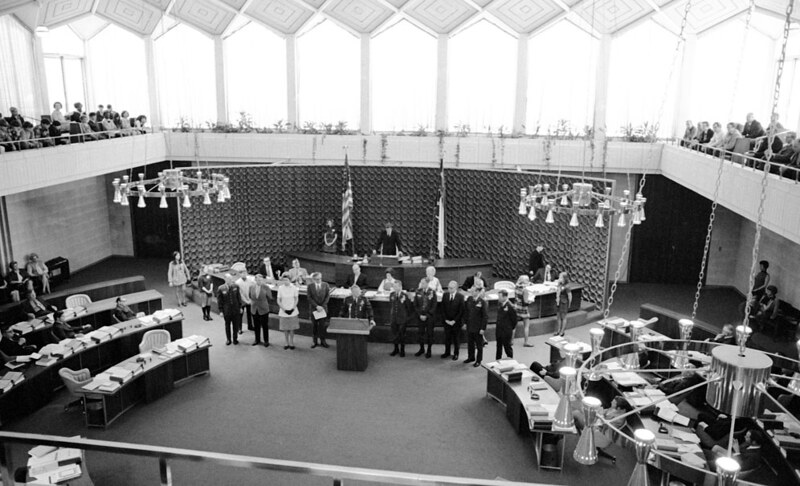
(292, 111)
(366, 86)
(599, 118)
(683, 100)
(219, 74)
(521, 96)
(441, 82)
(152, 83)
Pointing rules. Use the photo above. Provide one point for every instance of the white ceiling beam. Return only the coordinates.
(228, 30)
(721, 22)
(486, 14)
(400, 14)
(312, 20)
(655, 10)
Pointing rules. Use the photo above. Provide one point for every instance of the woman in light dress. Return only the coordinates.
(289, 316)
(177, 276)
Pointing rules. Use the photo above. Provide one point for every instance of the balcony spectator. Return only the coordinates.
(688, 134)
(42, 133)
(110, 111)
(96, 126)
(57, 116)
(108, 125)
(729, 142)
(793, 161)
(717, 140)
(752, 128)
(18, 282)
(15, 119)
(703, 137)
(55, 133)
(28, 137)
(87, 129)
(125, 124)
(100, 110)
(39, 273)
(77, 115)
(6, 140)
(140, 123)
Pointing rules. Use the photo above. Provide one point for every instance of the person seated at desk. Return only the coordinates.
(387, 285)
(476, 280)
(18, 281)
(268, 270)
(356, 306)
(10, 345)
(727, 336)
(122, 312)
(551, 373)
(746, 451)
(431, 281)
(63, 330)
(604, 435)
(34, 307)
(356, 278)
(297, 274)
(388, 242)
(691, 377)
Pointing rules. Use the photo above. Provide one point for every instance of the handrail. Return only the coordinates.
(163, 454)
(768, 164)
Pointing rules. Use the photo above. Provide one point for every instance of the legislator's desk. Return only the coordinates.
(95, 314)
(157, 376)
(557, 343)
(351, 342)
(336, 268)
(41, 383)
(526, 414)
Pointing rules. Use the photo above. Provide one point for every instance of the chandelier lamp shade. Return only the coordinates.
(581, 200)
(173, 183)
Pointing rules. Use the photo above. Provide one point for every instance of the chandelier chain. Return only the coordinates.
(642, 181)
(737, 72)
(711, 219)
(776, 94)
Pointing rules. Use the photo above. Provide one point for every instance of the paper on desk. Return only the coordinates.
(685, 436)
(320, 314)
(629, 379)
(693, 460)
(684, 448)
(41, 450)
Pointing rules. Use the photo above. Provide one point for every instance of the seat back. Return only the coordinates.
(75, 380)
(505, 284)
(76, 300)
(742, 146)
(154, 339)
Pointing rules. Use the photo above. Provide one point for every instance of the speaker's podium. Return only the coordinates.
(351, 342)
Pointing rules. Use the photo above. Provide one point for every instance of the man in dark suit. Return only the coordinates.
(356, 306)
(752, 128)
(536, 261)
(401, 312)
(230, 303)
(36, 307)
(318, 295)
(424, 310)
(63, 330)
(474, 280)
(388, 242)
(95, 125)
(269, 270)
(260, 300)
(15, 120)
(14, 347)
(452, 314)
(506, 322)
(356, 278)
(477, 316)
(75, 116)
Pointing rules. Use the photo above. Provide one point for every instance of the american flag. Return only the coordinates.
(347, 206)
(442, 242)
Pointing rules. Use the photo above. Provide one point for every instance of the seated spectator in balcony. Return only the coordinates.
(141, 121)
(774, 123)
(39, 273)
(784, 155)
(87, 129)
(34, 307)
(101, 109)
(96, 126)
(703, 137)
(6, 140)
(752, 128)
(55, 130)
(28, 137)
(110, 111)
(729, 142)
(716, 141)
(57, 116)
(15, 119)
(793, 161)
(760, 150)
(688, 134)
(77, 115)
(108, 125)
(42, 133)
(125, 124)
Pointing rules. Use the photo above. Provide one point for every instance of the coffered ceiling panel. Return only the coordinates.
(397, 3)
(237, 4)
(482, 3)
(610, 15)
(57, 12)
(524, 15)
(315, 3)
(162, 4)
(9, 5)
(282, 15)
(203, 14)
(705, 13)
(441, 16)
(779, 6)
(137, 16)
(361, 15)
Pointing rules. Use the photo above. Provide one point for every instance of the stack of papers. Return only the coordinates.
(669, 412)
(28, 358)
(59, 351)
(111, 330)
(185, 345)
(73, 344)
(14, 365)
(23, 327)
(119, 374)
(629, 379)
(165, 315)
(10, 379)
(644, 397)
(99, 336)
(690, 437)
(147, 320)
(49, 465)
(201, 341)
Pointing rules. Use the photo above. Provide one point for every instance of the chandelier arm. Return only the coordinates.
(775, 384)
(763, 390)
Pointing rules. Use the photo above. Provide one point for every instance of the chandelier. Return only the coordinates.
(173, 183)
(581, 199)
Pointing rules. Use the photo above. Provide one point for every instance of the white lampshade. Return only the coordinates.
(727, 470)
(599, 222)
(220, 197)
(163, 203)
(141, 203)
(573, 221)
(586, 450)
(549, 218)
(532, 213)
(186, 202)
(643, 441)
(206, 198)
(621, 222)
(124, 201)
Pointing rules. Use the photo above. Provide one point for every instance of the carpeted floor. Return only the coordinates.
(409, 414)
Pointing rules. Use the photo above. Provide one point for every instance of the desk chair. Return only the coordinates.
(505, 284)
(76, 300)
(154, 339)
(74, 381)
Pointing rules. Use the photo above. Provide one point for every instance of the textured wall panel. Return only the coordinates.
(279, 209)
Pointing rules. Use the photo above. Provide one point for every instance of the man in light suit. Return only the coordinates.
(260, 300)
(452, 314)
(388, 242)
(318, 295)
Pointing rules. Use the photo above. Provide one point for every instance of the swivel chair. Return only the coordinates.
(154, 339)
(75, 381)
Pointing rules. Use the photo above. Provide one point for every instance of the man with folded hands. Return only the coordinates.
(11, 346)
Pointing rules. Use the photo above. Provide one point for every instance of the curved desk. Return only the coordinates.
(336, 268)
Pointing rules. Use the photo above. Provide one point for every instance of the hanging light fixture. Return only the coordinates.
(643, 441)
(581, 199)
(563, 416)
(173, 183)
(586, 450)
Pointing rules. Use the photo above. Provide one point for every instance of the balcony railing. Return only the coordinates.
(167, 455)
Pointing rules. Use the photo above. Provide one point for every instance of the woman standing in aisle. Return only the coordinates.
(178, 275)
(563, 302)
(288, 298)
(207, 289)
